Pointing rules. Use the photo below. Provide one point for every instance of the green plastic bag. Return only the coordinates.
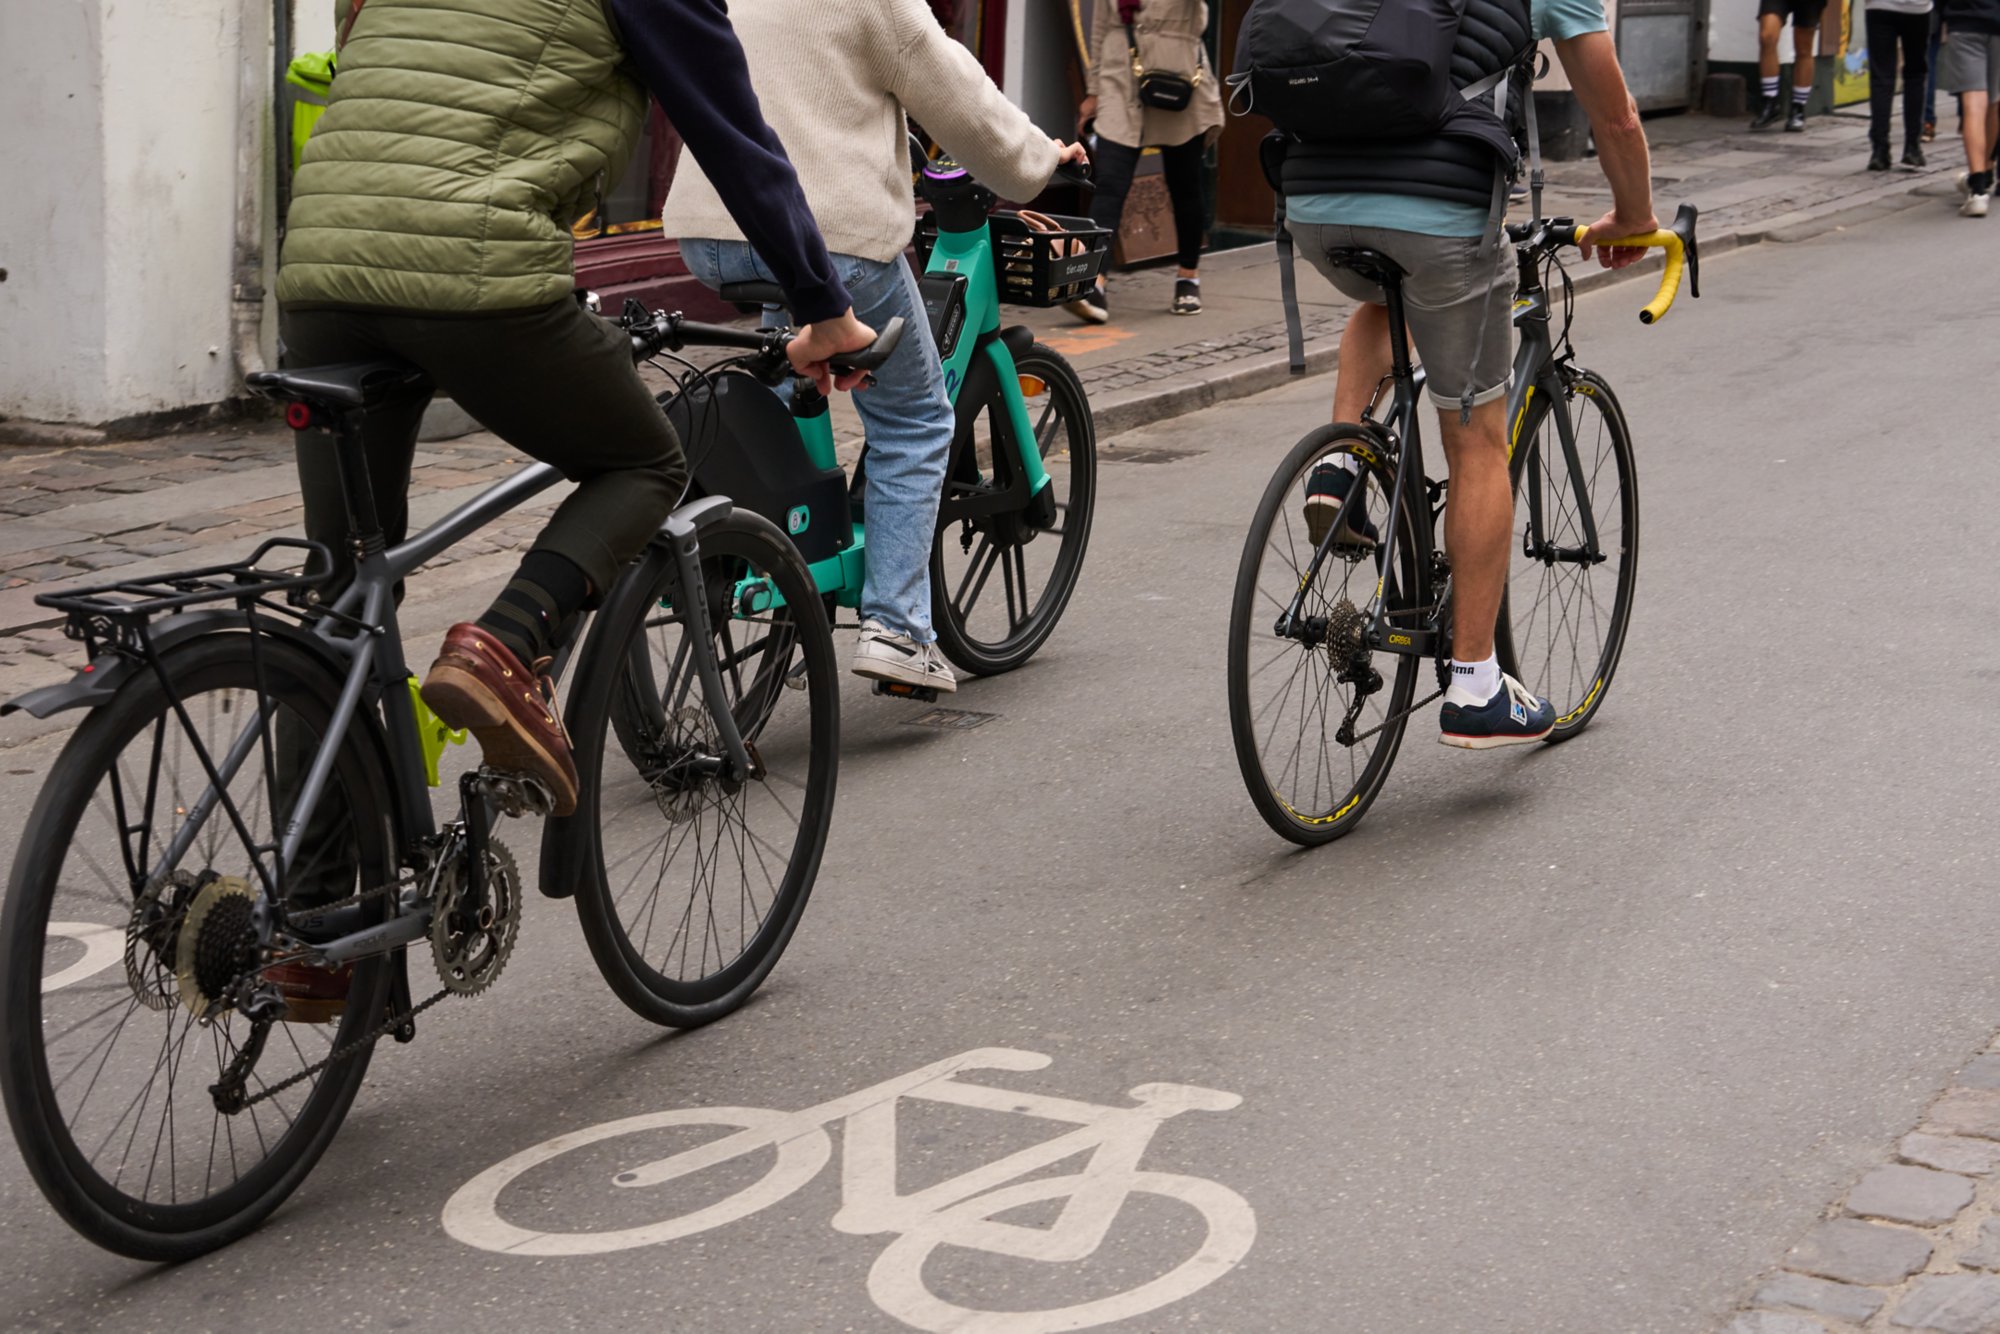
(312, 76)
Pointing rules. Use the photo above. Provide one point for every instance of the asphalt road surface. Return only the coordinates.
(1579, 1039)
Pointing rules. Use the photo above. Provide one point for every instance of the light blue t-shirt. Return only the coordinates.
(1559, 20)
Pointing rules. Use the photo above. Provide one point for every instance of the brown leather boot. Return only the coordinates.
(478, 684)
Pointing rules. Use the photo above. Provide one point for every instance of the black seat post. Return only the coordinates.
(357, 489)
(1399, 333)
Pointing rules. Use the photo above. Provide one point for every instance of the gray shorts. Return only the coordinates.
(1972, 63)
(1457, 285)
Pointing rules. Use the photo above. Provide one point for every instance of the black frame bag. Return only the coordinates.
(1160, 89)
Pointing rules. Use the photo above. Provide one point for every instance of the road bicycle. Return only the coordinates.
(1326, 635)
(211, 913)
(961, 1211)
(1022, 475)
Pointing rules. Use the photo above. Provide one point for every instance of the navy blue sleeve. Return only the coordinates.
(689, 58)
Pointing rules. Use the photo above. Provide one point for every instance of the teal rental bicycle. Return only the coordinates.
(1015, 515)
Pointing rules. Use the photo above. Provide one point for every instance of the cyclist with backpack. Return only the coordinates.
(1417, 170)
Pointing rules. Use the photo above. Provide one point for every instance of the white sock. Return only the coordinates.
(1474, 682)
(1770, 87)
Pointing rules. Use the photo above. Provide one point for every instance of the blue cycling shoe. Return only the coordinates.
(1513, 717)
(1326, 488)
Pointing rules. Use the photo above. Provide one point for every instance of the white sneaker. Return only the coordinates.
(1974, 206)
(884, 655)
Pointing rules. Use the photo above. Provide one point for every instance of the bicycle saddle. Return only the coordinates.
(1373, 265)
(348, 385)
(754, 293)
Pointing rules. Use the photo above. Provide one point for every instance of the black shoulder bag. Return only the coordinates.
(1159, 88)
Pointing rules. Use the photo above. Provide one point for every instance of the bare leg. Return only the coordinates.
(1478, 520)
(1364, 360)
(1769, 26)
(1975, 121)
(1803, 41)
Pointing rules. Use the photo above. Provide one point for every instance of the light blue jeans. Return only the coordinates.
(908, 418)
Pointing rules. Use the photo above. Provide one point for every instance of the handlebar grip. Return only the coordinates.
(871, 357)
(1670, 279)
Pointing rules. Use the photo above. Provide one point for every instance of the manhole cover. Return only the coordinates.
(961, 720)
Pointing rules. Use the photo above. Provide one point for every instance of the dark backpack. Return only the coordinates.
(1363, 71)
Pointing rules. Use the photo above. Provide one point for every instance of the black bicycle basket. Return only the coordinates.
(1036, 268)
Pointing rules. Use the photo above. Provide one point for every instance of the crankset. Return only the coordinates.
(472, 940)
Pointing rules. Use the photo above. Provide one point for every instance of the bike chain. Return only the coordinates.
(1397, 717)
(247, 1054)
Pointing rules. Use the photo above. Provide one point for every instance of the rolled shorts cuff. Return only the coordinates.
(1478, 398)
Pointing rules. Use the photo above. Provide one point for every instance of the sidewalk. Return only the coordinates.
(81, 514)
(1148, 364)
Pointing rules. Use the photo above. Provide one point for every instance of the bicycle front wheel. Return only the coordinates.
(129, 927)
(1569, 598)
(697, 880)
(1000, 579)
(1316, 716)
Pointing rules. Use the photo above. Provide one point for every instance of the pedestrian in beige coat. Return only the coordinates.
(1168, 35)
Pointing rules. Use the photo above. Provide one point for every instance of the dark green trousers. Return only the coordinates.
(556, 383)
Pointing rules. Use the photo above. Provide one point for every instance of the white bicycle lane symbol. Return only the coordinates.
(956, 1212)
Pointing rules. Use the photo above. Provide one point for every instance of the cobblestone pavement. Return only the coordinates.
(1915, 1245)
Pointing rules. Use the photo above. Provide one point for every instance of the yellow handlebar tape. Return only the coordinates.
(1670, 280)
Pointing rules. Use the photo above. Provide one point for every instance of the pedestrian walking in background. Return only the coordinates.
(1150, 86)
(1930, 79)
(1771, 16)
(1890, 23)
(1972, 70)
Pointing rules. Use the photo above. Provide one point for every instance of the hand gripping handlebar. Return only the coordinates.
(1682, 254)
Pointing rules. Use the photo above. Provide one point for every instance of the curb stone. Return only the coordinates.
(1934, 1276)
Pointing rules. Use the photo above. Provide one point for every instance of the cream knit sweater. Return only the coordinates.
(834, 78)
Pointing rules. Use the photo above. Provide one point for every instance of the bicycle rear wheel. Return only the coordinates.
(1290, 695)
(987, 624)
(118, 956)
(1562, 623)
(696, 882)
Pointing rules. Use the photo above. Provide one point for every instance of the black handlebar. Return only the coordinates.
(658, 331)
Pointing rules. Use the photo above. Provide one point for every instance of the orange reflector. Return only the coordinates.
(1033, 386)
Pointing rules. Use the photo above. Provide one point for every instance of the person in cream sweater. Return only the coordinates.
(834, 78)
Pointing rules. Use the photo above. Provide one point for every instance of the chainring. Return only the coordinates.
(216, 944)
(470, 955)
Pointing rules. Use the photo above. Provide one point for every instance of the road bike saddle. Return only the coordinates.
(754, 293)
(346, 385)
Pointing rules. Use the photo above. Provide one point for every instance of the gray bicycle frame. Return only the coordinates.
(1535, 371)
(374, 651)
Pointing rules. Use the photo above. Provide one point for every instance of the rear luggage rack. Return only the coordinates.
(115, 614)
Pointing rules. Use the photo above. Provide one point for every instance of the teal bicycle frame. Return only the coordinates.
(957, 254)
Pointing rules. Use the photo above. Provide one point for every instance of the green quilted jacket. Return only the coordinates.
(461, 141)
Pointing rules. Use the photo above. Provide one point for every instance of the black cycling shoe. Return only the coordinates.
(1770, 117)
(1326, 489)
(1879, 160)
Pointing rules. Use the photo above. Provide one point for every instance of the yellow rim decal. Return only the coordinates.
(1352, 802)
(1584, 707)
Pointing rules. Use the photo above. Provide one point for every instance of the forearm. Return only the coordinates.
(689, 57)
(940, 83)
(1627, 163)
(1592, 65)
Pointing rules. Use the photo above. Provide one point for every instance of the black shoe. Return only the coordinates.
(1796, 122)
(1187, 297)
(1770, 116)
(1326, 489)
(1878, 160)
(1913, 157)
